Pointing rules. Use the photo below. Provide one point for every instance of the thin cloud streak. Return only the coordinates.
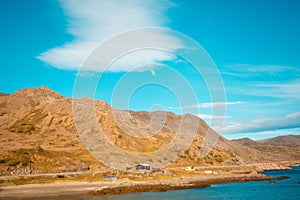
(243, 70)
(210, 105)
(276, 90)
(210, 117)
(265, 124)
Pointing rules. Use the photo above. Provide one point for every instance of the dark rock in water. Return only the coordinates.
(272, 182)
(281, 178)
(298, 182)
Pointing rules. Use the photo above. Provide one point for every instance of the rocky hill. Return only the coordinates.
(38, 135)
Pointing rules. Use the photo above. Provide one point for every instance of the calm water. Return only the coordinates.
(284, 189)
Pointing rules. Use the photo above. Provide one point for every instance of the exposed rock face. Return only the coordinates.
(38, 135)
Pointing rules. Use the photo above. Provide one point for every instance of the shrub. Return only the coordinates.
(60, 176)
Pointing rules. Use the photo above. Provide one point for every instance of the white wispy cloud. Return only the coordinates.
(216, 104)
(279, 90)
(210, 104)
(208, 117)
(92, 22)
(294, 115)
(265, 124)
(243, 70)
(274, 133)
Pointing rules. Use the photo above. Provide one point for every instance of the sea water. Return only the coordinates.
(288, 189)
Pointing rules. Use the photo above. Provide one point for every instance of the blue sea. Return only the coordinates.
(285, 190)
(288, 189)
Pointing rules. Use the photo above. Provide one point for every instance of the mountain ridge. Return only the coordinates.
(41, 93)
(38, 135)
(282, 140)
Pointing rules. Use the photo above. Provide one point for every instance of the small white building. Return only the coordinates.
(190, 168)
(110, 178)
(208, 171)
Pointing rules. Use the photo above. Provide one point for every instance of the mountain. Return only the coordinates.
(246, 141)
(40, 94)
(3, 94)
(277, 148)
(285, 141)
(38, 135)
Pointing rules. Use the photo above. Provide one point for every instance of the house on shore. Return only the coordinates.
(110, 178)
(189, 168)
(208, 172)
(142, 167)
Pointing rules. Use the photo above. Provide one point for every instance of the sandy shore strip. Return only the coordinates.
(105, 188)
(55, 188)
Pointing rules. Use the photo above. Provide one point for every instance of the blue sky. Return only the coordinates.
(254, 44)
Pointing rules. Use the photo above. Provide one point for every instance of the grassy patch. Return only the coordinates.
(50, 179)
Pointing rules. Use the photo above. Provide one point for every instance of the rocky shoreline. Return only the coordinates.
(111, 188)
(181, 185)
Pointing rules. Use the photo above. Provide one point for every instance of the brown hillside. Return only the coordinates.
(38, 135)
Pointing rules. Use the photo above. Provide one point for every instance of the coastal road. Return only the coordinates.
(87, 172)
(229, 166)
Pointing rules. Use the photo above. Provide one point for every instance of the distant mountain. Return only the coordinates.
(285, 141)
(3, 94)
(246, 141)
(277, 148)
(38, 135)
